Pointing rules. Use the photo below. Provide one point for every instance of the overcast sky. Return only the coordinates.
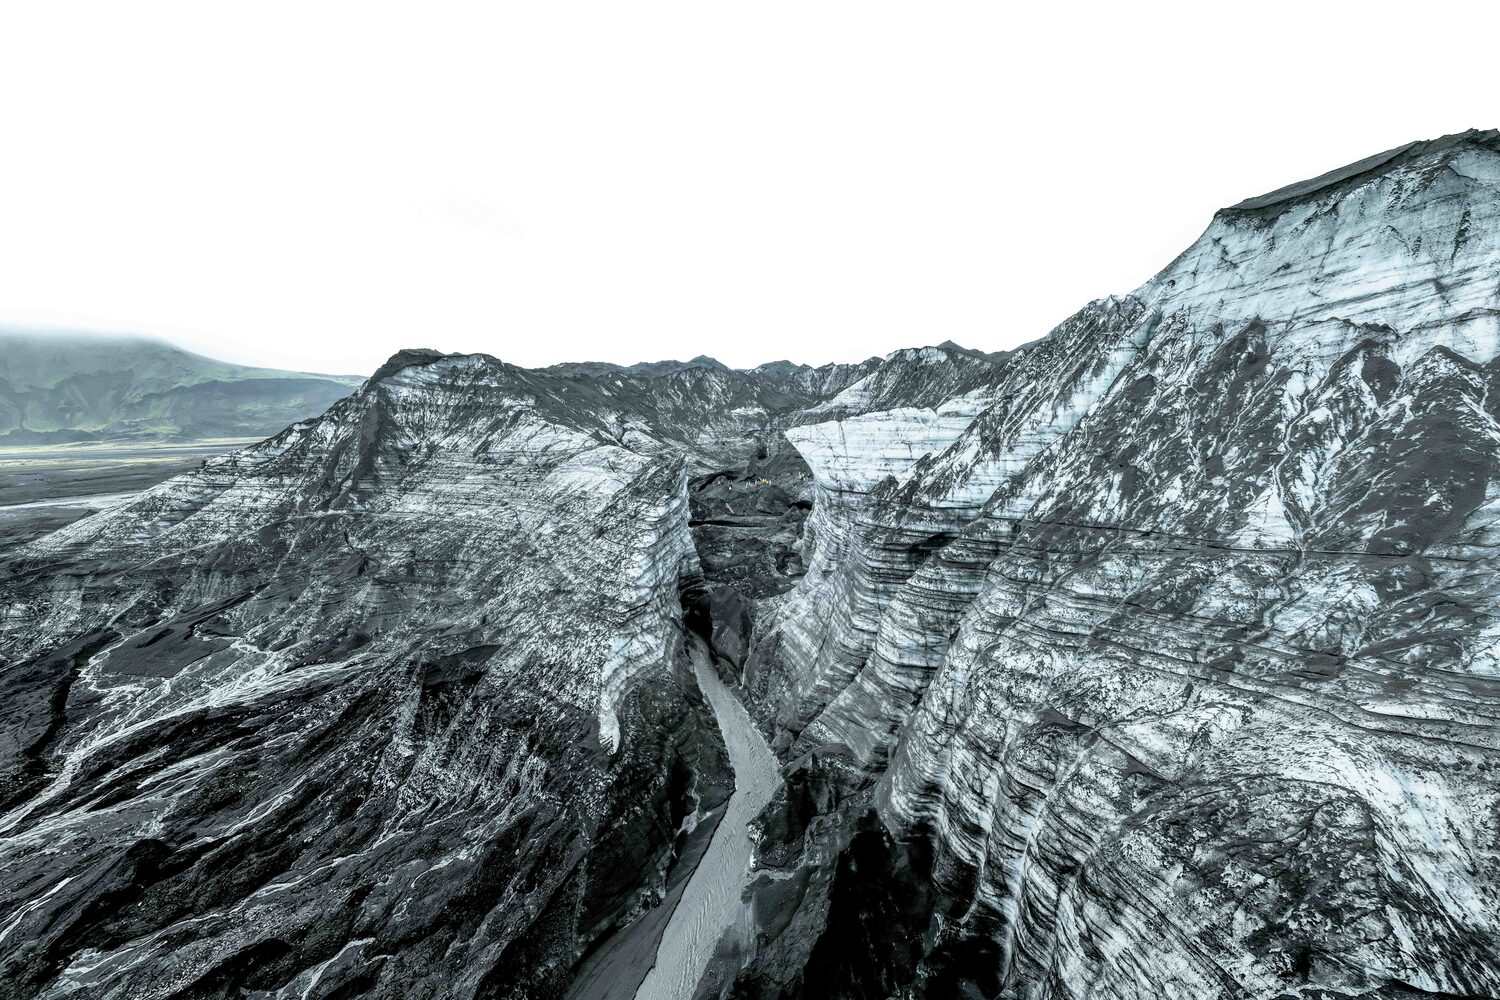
(314, 186)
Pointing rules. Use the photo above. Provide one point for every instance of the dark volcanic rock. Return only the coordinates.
(747, 528)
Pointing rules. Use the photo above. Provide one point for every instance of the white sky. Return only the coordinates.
(314, 186)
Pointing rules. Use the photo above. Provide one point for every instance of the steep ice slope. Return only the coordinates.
(748, 516)
(394, 703)
(1174, 673)
(389, 705)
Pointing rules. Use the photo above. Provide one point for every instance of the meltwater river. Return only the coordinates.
(711, 902)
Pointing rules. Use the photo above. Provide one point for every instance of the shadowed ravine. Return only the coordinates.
(711, 902)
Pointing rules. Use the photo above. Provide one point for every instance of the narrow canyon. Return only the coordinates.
(1158, 657)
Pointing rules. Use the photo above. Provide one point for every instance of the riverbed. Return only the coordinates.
(711, 903)
(44, 487)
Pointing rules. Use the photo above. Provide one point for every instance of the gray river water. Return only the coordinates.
(711, 904)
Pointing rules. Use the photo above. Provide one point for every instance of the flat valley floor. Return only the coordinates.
(44, 487)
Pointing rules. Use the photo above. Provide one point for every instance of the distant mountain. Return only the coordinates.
(58, 387)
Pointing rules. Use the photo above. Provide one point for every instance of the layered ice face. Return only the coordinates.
(1155, 658)
(1181, 651)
